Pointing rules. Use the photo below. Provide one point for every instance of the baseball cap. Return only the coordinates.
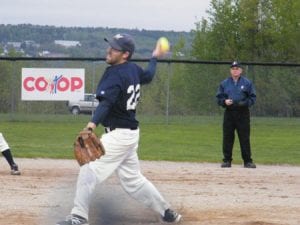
(122, 42)
(235, 64)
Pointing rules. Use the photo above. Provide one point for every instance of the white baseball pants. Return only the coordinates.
(3, 144)
(121, 156)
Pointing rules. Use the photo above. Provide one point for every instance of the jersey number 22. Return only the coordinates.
(134, 92)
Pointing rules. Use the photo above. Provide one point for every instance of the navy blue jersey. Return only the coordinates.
(241, 92)
(118, 93)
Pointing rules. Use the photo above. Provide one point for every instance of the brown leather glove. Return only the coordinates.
(87, 147)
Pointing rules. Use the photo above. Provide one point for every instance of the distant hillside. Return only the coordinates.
(36, 40)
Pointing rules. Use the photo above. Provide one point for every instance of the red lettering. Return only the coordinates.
(76, 83)
(41, 84)
(26, 83)
(63, 84)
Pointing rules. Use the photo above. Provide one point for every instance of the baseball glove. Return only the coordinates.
(87, 147)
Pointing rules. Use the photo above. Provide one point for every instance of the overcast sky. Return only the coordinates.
(167, 15)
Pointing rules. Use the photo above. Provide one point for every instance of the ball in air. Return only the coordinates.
(164, 44)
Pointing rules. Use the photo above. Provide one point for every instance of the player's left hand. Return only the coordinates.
(91, 126)
(87, 147)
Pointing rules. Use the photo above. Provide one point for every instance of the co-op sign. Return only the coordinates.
(52, 84)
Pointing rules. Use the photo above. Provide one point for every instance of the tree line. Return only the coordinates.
(91, 39)
(250, 30)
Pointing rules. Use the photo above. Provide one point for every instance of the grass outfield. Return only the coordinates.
(194, 139)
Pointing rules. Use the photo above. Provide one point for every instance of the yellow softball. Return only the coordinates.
(164, 44)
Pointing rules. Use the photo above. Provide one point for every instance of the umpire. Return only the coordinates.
(236, 94)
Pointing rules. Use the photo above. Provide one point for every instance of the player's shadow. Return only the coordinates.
(111, 205)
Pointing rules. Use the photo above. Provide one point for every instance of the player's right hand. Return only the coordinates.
(158, 52)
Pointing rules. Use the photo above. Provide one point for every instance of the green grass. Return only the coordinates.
(191, 139)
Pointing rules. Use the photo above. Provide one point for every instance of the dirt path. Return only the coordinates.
(203, 192)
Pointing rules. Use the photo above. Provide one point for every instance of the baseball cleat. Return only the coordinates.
(171, 216)
(73, 220)
(15, 170)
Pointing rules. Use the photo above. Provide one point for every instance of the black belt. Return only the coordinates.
(109, 129)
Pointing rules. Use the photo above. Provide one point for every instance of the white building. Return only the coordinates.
(14, 44)
(67, 44)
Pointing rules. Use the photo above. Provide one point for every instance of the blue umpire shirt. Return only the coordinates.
(118, 93)
(241, 92)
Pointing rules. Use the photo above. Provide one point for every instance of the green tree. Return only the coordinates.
(251, 30)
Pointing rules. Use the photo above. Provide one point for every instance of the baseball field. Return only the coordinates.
(203, 192)
(181, 158)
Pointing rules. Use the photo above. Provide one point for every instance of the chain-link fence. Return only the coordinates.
(180, 88)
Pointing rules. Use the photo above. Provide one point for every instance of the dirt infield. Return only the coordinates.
(203, 192)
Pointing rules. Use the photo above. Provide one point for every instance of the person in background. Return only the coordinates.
(4, 148)
(236, 94)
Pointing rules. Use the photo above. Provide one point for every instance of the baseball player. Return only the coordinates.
(4, 148)
(118, 93)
